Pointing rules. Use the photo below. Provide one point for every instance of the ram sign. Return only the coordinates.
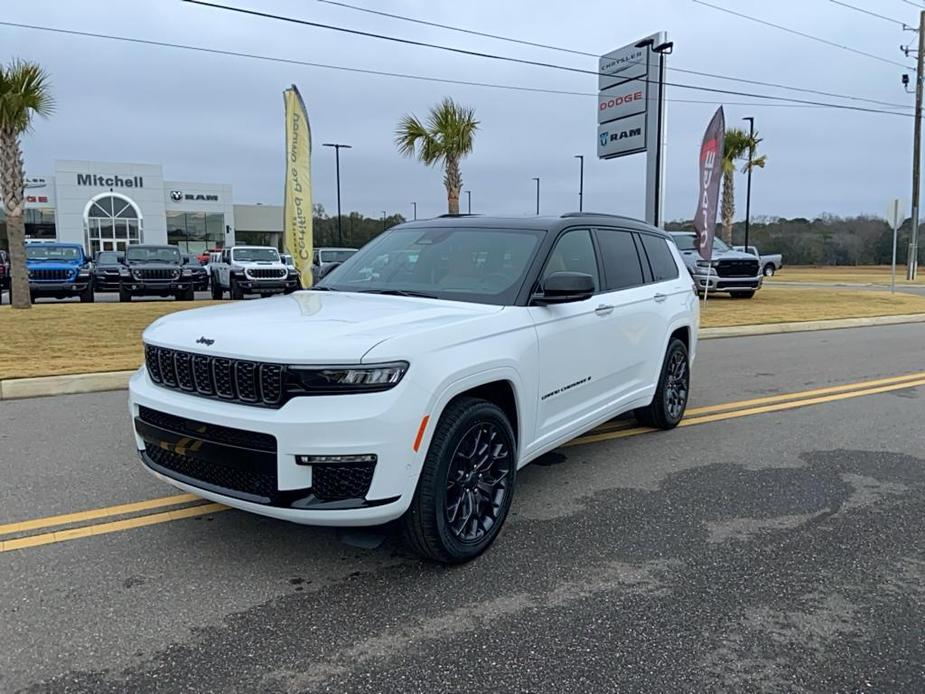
(624, 136)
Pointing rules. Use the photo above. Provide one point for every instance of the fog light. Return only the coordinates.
(329, 459)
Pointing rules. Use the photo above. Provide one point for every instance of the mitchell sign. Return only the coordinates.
(110, 181)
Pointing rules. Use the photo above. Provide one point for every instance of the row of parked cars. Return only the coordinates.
(63, 270)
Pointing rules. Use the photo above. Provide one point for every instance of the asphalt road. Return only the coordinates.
(781, 551)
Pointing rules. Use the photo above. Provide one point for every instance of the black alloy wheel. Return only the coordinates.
(673, 390)
(466, 484)
(478, 482)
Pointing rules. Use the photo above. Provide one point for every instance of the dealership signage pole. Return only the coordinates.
(631, 112)
(893, 216)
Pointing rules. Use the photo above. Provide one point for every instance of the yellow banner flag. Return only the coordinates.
(297, 207)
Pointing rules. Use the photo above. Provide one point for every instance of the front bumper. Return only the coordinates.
(59, 288)
(142, 287)
(274, 286)
(106, 283)
(727, 284)
(383, 424)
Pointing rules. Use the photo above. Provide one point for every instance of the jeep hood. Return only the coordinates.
(307, 327)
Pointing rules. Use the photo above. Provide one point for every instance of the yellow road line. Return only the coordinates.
(778, 407)
(93, 514)
(111, 527)
(783, 397)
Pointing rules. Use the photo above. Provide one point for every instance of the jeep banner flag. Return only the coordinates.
(297, 205)
(710, 170)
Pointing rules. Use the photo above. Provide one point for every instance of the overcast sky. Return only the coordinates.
(215, 118)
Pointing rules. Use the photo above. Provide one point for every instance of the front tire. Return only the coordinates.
(466, 485)
(671, 395)
(216, 290)
(236, 292)
(86, 296)
(124, 295)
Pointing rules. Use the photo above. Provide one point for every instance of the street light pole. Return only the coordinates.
(537, 194)
(469, 201)
(581, 181)
(748, 189)
(414, 205)
(337, 148)
(383, 220)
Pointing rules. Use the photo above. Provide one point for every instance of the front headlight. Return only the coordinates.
(335, 380)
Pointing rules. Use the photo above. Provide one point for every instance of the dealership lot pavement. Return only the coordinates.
(782, 551)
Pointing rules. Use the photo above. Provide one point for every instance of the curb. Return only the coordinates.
(41, 386)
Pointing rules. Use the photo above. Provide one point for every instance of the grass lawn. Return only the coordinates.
(862, 274)
(81, 338)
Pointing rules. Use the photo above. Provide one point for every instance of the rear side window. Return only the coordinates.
(660, 258)
(622, 268)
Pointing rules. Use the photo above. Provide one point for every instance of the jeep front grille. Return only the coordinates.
(266, 273)
(155, 274)
(50, 275)
(246, 382)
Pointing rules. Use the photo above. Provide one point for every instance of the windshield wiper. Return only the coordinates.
(398, 292)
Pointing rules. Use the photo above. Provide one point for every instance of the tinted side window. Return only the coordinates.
(621, 261)
(660, 258)
(574, 252)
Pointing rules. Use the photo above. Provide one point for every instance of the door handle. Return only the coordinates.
(604, 310)
(659, 298)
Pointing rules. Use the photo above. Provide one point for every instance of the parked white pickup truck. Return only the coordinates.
(770, 262)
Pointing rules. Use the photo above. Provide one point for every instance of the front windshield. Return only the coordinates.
(335, 256)
(719, 245)
(107, 258)
(143, 254)
(462, 264)
(254, 255)
(42, 252)
(684, 242)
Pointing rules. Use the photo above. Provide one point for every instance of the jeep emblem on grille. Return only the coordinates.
(205, 341)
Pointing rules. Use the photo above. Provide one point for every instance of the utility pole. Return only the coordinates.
(748, 194)
(537, 194)
(414, 205)
(912, 259)
(337, 148)
(581, 182)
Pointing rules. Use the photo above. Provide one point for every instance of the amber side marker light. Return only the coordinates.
(420, 436)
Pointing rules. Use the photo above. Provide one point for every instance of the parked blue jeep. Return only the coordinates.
(59, 270)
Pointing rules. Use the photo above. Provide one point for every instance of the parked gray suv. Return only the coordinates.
(732, 272)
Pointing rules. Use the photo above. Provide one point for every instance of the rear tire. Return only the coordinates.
(471, 465)
(769, 270)
(673, 391)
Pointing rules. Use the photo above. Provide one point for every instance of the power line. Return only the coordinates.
(522, 61)
(365, 71)
(873, 14)
(572, 51)
(811, 37)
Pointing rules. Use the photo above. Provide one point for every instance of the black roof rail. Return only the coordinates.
(458, 214)
(593, 214)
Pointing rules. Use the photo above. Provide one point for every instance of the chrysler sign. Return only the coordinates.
(627, 63)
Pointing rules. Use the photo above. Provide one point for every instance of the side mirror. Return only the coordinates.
(564, 288)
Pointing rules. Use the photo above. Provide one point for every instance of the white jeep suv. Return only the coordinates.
(415, 392)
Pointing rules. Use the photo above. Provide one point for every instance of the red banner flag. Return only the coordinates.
(710, 170)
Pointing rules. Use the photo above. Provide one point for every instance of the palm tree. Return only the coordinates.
(737, 145)
(24, 92)
(446, 138)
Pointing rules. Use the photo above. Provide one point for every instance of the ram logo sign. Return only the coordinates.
(625, 136)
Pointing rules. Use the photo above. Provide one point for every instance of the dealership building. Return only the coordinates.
(107, 206)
